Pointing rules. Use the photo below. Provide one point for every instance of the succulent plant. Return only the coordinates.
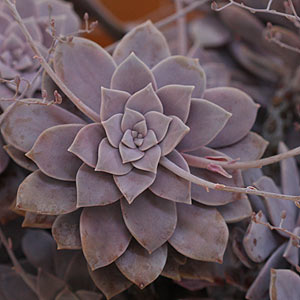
(275, 249)
(16, 56)
(111, 181)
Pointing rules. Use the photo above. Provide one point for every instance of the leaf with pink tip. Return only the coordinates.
(149, 161)
(145, 100)
(201, 233)
(112, 102)
(44, 195)
(50, 152)
(24, 123)
(109, 160)
(19, 157)
(242, 108)
(180, 70)
(159, 123)
(95, 188)
(134, 183)
(169, 186)
(285, 284)
(290, 181)
(176, 131)
(150, 219)
(84, 67)
(110, 281)
(65, 231)
(86, 143)
(146, 41)
(139, 266)
(176, 100)
(132, 75)
(112, 127)
(276, 206)
(236, 211)
(205, 121)
(259, 241)
(259, 289)
(251, 147)
(104, 236)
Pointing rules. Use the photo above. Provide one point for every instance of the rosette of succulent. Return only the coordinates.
(121, 175)
(18, 67)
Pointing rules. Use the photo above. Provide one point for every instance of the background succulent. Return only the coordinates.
(107, 181)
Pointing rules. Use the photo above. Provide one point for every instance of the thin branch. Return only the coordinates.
(77, 102)
(284, 45)
(201, 162)
(168, 19)
(221, 187)
(17, 266)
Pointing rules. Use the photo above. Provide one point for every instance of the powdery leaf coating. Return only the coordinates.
(95, 188)
(259, 241)
(285, 284)
(125, 79)
(191, 237)
(86, 142)
(139, 266)
(60, 196)
(110, 281)
(98, 224)
(180, 70)
(65, 231)
(24, 123)
(84, 79)
(147, 210)
(135, 41)
(166, 179)
(203, 130)
(260, 286)
(243, 111)
(50, 152)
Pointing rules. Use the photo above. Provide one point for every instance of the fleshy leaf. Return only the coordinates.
(149, 161)
(125, 77)
(170, 186)
(180, 70)
(139, 266)
(41, 194)
(112, 102)
(176, 100)
(65, 231)
(24, 123)
(176, 131)
(33, 220)
(130, 118)
(150, 219)
(291, 253)
(149, 141)
(134, 183)
(84, 67)
(203, 127)
(285, 284)
(130, 155)
(242, 108)
(159, 123)
(86, 143)
(259, 241)
(50, 152)
(146, 42)
(145, 100)
(192, 237)
(251, 147)
(95, 188)
(110, 160)
(113, 129)
(104, 236)
(110, 281)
